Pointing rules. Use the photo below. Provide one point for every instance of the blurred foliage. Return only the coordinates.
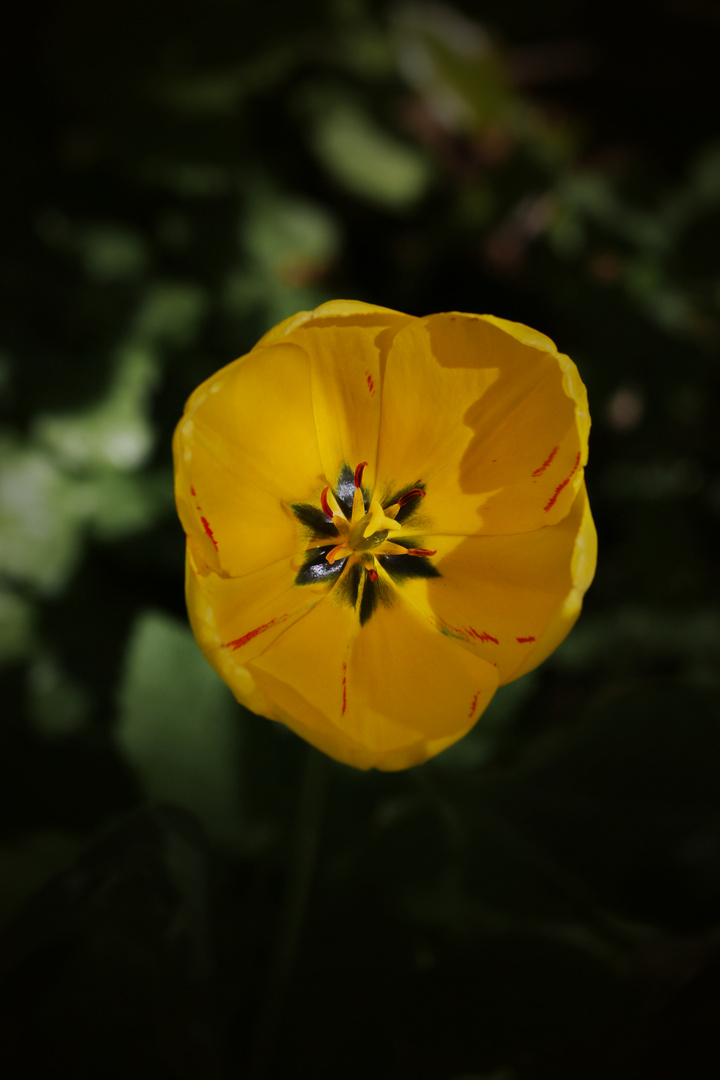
(186, 890)
(178, 727)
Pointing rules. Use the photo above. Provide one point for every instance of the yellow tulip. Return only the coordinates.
(386, 519)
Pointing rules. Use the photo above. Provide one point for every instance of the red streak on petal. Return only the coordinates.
(456, 629)
(413, 493)
(193, 492)
(208, 530)
(421, 551)
(473, 706)
(543, 467)
(344, 686)
(359, 473)
(557, 491)
(239, 642)
(370, 383)
(372, 574)
(483, 636)
(523, 640)
(325, 504)
(564, 484)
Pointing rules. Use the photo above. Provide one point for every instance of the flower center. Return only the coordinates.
(357, 544)
(365, 535)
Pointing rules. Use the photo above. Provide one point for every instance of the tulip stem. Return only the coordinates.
(301, 870)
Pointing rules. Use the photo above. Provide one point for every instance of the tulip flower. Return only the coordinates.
(386, 519)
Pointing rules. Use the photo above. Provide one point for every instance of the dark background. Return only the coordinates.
(186, 890)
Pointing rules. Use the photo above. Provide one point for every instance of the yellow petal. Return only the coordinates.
(388, 694)
(510, 599)
(348, 345)
(330, 310)
(277, 333)
(236, 619)
(573, 384)
(582, 571)
(245, 449)
(496, 426)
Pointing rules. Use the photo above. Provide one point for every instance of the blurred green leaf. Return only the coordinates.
(293, 238)
(117, 431)
(170, 314)
(46, 510)
(289, 244)
(40, 518)
(112, 252)
(454, 63)
(17, 625)
(120, 504)
(178, 726)
(364, 157)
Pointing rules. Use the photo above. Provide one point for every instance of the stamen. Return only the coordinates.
(359, 473)
(373, 575)
(340, 551)
(332, 509)
(387, 547)
(420, 551)
(358, 510)
(413, 493)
